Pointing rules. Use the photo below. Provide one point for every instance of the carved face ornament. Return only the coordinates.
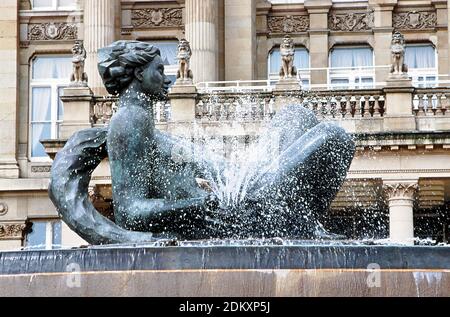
(51, 31)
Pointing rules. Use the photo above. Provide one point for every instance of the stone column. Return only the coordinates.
(382, 30)
(202, 33)
(9, 68)
(318, 37)
(442, 36)
(240, 39)
(99, 31)
(401, 220)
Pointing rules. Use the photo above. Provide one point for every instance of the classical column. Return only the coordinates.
(202, 33)
(318, 36)
(442, 36)
(240, 39)
(401, 220)
(9, 39)
(99, 31)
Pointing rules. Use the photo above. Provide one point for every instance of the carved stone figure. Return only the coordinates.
(157, 195)
(78, 77)
(398, 68)
(184, 72)
(287, 52)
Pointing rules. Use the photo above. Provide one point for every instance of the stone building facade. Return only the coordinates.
(399, 182)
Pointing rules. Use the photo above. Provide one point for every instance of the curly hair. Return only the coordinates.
(117, 62)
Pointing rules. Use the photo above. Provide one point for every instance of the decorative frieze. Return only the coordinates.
(352, 21)
(288, 24)
(10, 231)
(52, 31)
(414, 20)
(157, 18)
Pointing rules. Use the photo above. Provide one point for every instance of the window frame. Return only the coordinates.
(49, 234)
(55, 6)
(417, 73)
(354, 75)
(54, 84)
(304, 74)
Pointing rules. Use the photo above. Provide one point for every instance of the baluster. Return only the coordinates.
(323, 107)
(444, 104)
(362, 103)
(343, 103)
(333, 107)
(425, 104)
(416, 105)
(382, 105)
(434, 104)
(353, 106)
(371, 105)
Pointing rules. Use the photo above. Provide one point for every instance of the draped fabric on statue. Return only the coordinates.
(351, 57)
(420, 56)
(301, 60)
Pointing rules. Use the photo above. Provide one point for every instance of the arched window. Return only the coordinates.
(351, 67)
(169, 51)
(301, 61)
(49, 76)
(421, 60)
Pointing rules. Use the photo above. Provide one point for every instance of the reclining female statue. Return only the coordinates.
(156, 196)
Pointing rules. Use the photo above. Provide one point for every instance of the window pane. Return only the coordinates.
(420, 56)
(168, 51)
(41, 104)
(56, 67)
(36, 238)
(60, 103)
(42, 3)
(351, 57)
(66, 3)
(56, 234)
(301, 60)
(39, 131)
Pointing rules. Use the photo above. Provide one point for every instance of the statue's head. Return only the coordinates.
(78, 47)
(126, 62)
(288, 42)
(184, 45)
(398, 38)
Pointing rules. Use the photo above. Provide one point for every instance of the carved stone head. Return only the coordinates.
(78, 48)
(398, 39)
(288, 42)
(184, 46)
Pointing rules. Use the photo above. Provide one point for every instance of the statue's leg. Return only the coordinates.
(306, 178)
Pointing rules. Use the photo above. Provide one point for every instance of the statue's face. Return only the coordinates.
(154, 81)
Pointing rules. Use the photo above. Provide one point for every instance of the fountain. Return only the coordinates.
(187, 221)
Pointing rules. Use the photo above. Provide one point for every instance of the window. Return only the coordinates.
(169, 50)
(351, 67)
(49, 75)
(54, 4)
(301, 61)
(44, 235)
(421, 61)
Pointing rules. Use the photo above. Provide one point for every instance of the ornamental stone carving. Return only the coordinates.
(414, 20)
(52, 31)
(9, 231)
(156, 18)
(78, 78)
(287, 52)
(184, 73)
(3, 209)
(288, 24)
(41, 169)
(350, 21)
(398, 66)
(401, 190)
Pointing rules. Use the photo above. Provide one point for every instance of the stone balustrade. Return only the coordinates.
(431, 102)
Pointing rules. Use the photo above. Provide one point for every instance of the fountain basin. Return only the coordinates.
(242, 270)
